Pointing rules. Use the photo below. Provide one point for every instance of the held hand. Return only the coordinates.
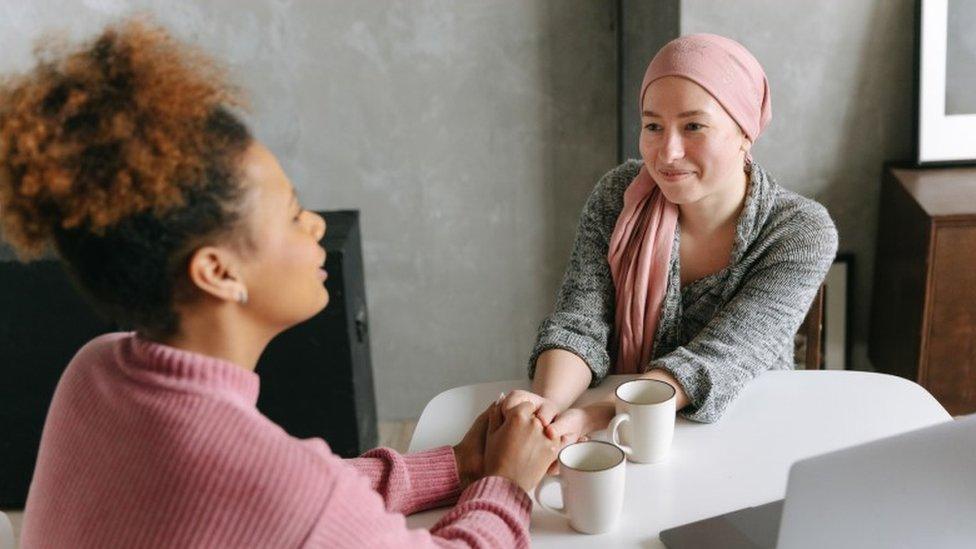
(517, 448)
(567, 429)
(574, 423)
(568, 426)
(470, 452)
(545, 409)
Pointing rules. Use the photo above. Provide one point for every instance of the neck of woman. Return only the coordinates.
(717, 212)
(221, 332)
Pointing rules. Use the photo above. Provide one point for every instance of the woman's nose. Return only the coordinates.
(672, 149)
(318, 226)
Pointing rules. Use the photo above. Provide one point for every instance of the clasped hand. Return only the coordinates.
(521, 432)
(566, 426)
(509, 443)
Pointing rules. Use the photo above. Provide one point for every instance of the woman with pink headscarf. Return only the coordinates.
(691, 265)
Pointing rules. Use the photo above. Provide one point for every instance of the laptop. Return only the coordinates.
(916, 489)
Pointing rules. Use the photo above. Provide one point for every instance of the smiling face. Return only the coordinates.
(691, 147)
(283, 269)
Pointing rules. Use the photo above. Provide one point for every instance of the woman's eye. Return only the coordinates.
(694, 126)
(653, 127)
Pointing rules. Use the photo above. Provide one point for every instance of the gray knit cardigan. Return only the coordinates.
(721, 331)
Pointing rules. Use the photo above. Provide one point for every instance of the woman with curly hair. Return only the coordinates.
(125, 159)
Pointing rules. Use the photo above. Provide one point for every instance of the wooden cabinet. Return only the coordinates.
(923, 314)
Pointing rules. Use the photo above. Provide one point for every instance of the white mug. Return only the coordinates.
(645, 418)
(591, 477)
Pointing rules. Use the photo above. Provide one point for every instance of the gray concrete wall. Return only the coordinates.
(470, 132)
(841, 78)
(647, 26)
(467, 132)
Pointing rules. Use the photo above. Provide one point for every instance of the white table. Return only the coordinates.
(740, 461)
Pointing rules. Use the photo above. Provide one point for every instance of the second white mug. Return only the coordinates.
(591, 476)
(645, 413)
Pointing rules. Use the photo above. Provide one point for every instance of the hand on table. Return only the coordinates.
(517, 447)
(544, 408)
(575, 424)
(470, 452)
(567, 426)
(511, 445)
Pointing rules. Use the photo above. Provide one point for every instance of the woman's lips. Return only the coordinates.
(323, 274)
(674, 175)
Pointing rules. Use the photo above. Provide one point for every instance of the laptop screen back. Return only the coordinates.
(917, 489)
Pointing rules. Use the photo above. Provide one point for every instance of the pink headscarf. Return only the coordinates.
(640, 247)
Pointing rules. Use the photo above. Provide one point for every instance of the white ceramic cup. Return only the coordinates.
(645, 418)
(591, 478)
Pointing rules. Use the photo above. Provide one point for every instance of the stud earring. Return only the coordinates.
(242, 296)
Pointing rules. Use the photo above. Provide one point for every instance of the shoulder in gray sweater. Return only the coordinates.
(721, 331)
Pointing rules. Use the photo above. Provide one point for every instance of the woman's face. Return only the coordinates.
(284, 269)
(692, 148)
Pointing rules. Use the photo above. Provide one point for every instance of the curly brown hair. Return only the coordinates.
(122, 156)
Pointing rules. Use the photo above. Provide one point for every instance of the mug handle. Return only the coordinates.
(614, 429)
(547, 480)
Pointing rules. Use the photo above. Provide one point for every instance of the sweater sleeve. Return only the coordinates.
(411, 482)
(583, 315)
(746, 335)
(492, 512)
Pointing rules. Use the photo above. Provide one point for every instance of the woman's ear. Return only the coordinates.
(216, 272)
(746, 144)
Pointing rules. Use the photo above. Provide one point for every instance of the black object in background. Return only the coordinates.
(316, 378)
(43, 323)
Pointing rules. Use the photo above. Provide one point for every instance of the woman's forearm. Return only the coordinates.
(561, 377)
(680, 397)
(599, 413)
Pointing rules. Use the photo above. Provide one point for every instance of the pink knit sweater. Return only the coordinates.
(150, 446)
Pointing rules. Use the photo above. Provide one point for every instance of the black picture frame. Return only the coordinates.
(838, 313)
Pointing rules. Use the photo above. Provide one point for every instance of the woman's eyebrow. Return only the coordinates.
(685, 114)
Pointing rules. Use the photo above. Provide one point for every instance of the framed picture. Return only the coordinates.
(837, 309)
(946, 82)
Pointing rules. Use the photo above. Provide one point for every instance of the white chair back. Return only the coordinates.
(6, 532)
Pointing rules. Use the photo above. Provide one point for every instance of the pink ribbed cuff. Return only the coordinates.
(434, 477)
(502, 491)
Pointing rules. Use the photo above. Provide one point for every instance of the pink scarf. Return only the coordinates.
(640, 247)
